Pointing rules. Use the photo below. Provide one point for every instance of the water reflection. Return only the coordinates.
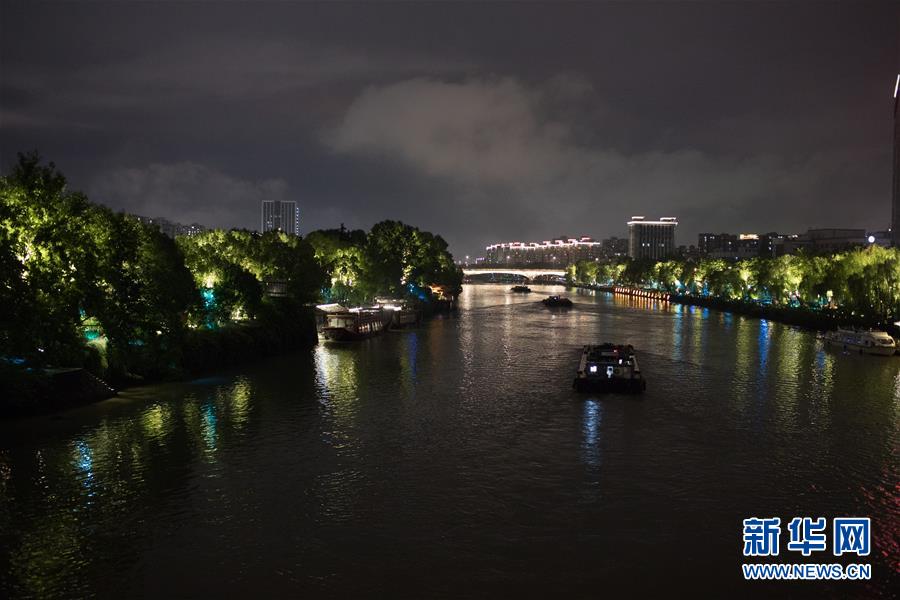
(323, 468)
(336, 372)
(763, 345)
(208, 427)
(337, 382)
(240, 400)
(408, 363)
(84, 463)
(155, 421)
(677, 332)
(591, 447)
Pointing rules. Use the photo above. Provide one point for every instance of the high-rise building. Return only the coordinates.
(614, 247)
(651, 239)
(281, 215)
(895, 205)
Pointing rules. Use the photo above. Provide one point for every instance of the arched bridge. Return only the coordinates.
(523, 271)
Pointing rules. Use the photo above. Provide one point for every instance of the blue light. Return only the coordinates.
(209, 298)
(209, 303)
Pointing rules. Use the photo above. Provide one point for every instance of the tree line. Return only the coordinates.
(393, 259)
(82, 285)
(860, 282)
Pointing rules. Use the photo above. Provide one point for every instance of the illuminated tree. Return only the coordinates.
(49, 260)
(393, 259)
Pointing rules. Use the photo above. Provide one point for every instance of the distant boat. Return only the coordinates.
(557, 301)
(609, 368)
(520, 289)
(865, 341)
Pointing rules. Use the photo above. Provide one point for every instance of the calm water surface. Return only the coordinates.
(455, 460)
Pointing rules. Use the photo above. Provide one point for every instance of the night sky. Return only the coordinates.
(482, 122)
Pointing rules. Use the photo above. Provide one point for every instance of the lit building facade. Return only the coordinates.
(171, 228)
(280, 215)
(826, 240)
(654, 240)
(738, 246)
(615, 247)
(560, 251)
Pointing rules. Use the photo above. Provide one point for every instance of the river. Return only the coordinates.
(456, 461)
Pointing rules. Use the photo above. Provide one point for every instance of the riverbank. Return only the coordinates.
(819, 320)
(29, 392)
(32, 391)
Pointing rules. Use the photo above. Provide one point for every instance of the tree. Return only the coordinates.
(393, 259)
(45, 230)
(235, 268)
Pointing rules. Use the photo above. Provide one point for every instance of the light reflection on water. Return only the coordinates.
(456, 449)
(592, 417)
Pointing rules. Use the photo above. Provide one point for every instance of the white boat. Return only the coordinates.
(865, 341)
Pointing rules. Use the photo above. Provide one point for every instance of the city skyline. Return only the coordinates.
(504, 133)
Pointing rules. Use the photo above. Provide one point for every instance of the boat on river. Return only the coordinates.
(609, 368)
(864, 341)
(557, 302)
(520, 289)
(355, 324)
(403, 315)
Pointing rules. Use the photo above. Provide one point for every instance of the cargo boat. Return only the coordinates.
(520, 289)
(865, 341)
(557, 301)
(609, 368)
(356, 324)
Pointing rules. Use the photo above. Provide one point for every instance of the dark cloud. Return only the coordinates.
(483, 122)
(186, 192)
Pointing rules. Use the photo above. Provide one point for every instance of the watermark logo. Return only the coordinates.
(761, 536)
(806, 535)
(852, 536)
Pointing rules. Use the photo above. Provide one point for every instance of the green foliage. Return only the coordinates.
(48, 261)
(239, 266)
(393, 259)
(862, 282)
(67, 266)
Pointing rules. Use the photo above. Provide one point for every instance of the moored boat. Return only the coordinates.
(609, 368)
(356, 324)
(864, 341)
(403, 315)
(557, 301)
